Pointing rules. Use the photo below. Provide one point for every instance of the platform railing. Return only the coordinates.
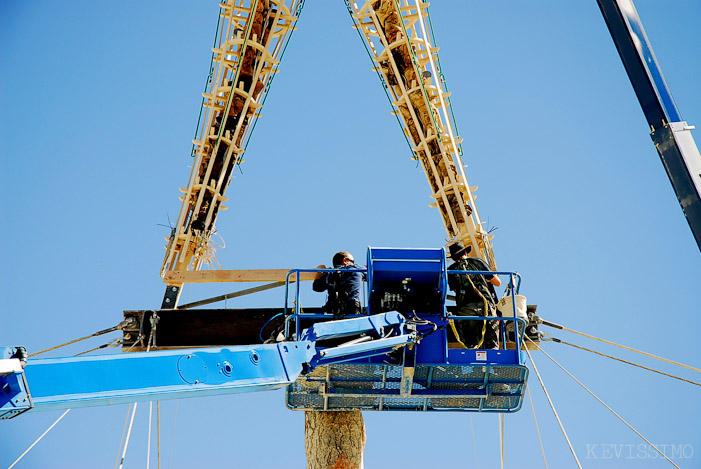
(512, 290)
(294, 312)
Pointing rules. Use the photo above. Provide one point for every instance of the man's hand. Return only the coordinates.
(319, 274)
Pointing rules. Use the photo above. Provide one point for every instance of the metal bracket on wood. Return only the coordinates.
(170, 299)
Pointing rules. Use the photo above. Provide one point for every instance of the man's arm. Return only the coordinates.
(493, 279)
(319, 283)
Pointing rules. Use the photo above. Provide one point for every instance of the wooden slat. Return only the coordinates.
(174, 277)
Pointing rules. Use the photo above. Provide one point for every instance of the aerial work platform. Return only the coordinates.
(431, 372)
(428, 375)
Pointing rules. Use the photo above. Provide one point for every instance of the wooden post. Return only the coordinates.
(334, 440)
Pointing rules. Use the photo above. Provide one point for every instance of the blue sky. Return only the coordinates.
(99, 102)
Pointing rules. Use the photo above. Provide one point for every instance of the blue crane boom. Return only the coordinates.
(61, 383)
(670, 134)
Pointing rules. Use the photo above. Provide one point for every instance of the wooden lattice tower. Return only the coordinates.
(251, 38)
(396, 33)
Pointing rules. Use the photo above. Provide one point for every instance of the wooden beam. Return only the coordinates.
(175, 277)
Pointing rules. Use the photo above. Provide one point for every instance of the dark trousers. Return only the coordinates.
(341, 309)
(478, 334)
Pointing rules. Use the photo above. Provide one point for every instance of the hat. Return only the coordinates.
(457, 250)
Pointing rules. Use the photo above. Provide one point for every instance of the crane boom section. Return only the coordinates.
(396, 34)
(670, 134)
(84, 381)
(250, 40)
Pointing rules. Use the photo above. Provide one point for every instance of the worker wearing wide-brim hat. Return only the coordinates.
(474, 296)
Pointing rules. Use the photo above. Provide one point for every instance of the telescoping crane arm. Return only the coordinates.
(84, 381)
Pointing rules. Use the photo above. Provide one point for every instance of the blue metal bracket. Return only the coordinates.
(14, 392)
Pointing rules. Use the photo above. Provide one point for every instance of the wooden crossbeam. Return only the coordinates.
(174, 277)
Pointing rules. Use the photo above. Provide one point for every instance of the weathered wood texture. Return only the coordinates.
(334, 440)
(174, 277)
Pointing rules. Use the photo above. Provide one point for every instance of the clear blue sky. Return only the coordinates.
(99, 101)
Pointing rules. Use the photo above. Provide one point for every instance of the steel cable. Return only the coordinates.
(558, 326)
(537, 427)
(39, 439)
(552, 406)
(605, 405)
(102, 332)
(553, 339)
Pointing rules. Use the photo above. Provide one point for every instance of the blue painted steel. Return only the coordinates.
(59, 383)
(514, 276)
(342, 328)
(678, 153)
(682, 161)
(394, 265)
(347, 353)
(649, 60)
(433, 348)
(14, 395)
(14, 392)
(639, 61)
(375, 325)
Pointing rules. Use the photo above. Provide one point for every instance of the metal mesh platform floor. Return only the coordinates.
(479, 388)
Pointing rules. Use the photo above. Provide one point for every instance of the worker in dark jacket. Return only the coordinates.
(474, 296)
(343, 287)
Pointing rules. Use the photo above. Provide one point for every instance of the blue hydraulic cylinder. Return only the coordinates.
(61, 383)
(377, 323)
